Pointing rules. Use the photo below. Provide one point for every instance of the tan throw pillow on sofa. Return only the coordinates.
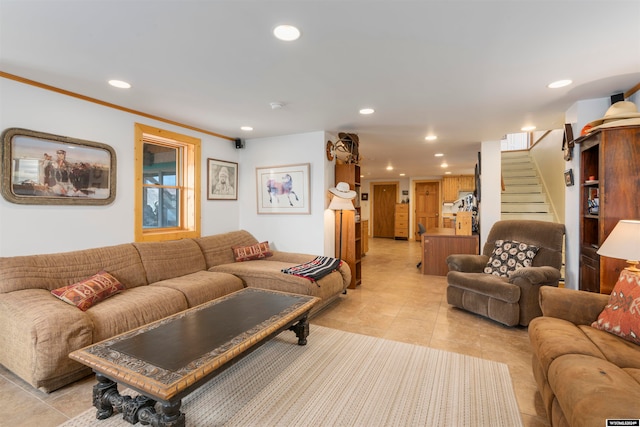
(509, 256)
(90, 291)
(621, 316)
(247, 253)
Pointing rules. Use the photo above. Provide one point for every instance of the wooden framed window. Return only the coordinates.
(167, 185)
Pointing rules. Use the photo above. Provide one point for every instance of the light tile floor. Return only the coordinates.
(394, 302)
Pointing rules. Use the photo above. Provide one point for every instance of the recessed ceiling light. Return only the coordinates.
(438, 155)
(447, 173)
(527, 128)
(431, 137)
(559, 83)
(287, 33)
(444, 165)
(389, 168)
(367, 111)
(119, 84)
(403, 174)
(247, 128)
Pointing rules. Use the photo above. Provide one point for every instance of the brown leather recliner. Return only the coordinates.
(509, 300)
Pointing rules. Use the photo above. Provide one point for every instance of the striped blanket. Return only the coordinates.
(315, 269)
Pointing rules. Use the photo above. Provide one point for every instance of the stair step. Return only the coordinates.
(517, 166)
(515, 153)
(515, 158)
(522, 188)
(523, 198)
(534, 216)
(511, 173)
(520, 180)
(525, 207)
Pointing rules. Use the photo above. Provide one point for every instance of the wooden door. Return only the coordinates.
(385, 197)
(427, 195)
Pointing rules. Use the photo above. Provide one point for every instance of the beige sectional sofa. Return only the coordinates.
(38, 330)
(585, 375)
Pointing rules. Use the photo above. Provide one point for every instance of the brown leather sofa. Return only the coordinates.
(38, 330)
(585, 376)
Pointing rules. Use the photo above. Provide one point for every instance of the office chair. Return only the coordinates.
(421, 231)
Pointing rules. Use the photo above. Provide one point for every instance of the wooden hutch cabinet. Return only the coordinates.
(610, 185)
(351, 229)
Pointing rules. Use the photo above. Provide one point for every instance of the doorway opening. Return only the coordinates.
(427, 206)
(385, 197)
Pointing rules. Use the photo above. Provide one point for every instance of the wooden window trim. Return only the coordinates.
(190, 197)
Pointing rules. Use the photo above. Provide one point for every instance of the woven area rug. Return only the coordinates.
(346, 379)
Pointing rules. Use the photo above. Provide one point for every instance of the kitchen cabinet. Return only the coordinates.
(452, 185)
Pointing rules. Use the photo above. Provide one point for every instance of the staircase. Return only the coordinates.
(523, 196)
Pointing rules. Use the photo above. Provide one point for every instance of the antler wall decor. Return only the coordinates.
(347, 143)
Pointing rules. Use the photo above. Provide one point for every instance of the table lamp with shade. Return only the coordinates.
(342, 201)
(624, 243)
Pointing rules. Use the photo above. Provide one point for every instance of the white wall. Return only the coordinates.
(286, 232)
(31, 229)
(548, 158)
(489, 209)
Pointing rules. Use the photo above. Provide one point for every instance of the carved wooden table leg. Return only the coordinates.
(106, 398)
(102, 393)
(170, 416)
(302, 330)
(131, 407)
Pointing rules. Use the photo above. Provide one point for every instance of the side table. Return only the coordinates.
(439, 243)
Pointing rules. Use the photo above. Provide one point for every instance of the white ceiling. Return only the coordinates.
(468, 71)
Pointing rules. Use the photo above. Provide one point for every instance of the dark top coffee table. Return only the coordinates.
(168, 359)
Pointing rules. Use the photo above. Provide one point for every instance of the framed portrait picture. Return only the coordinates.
(568, 177)
(283, 189)
(222, 180)
(44, 169)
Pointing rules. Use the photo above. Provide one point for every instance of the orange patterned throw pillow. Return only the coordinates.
(88, 292)
(621, 316)
(248, 253)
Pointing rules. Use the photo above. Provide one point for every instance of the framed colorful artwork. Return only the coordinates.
(283, 189)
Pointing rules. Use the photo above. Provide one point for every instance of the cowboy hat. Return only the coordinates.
(622, 113)
(342, 190)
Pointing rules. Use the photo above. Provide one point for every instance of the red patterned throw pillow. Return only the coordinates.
(248, 253)
(621, 316)
(90, 291)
